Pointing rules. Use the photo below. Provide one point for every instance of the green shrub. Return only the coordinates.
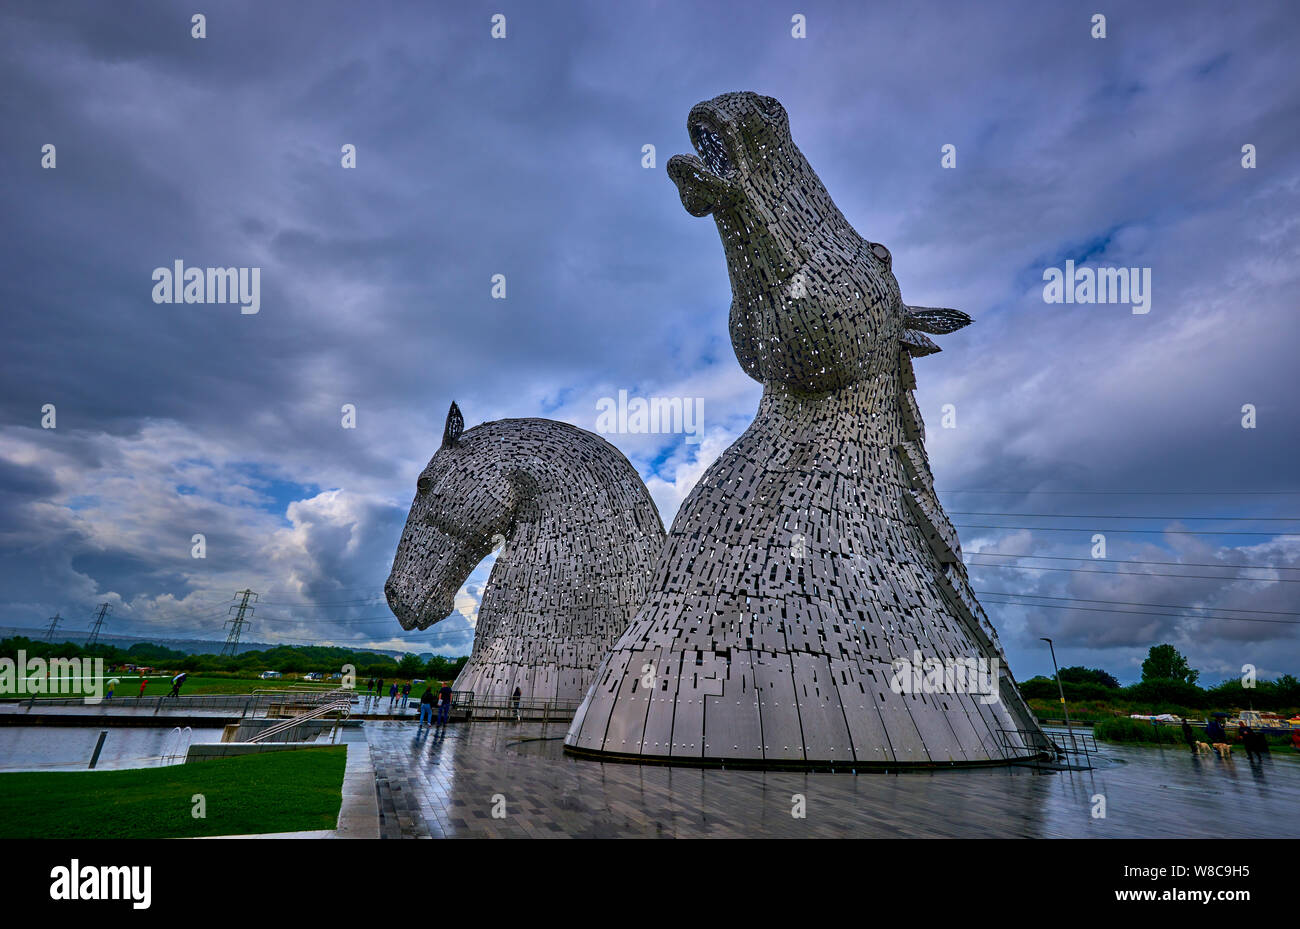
(1137, 730)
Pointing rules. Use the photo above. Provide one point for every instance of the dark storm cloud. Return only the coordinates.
(522, 157)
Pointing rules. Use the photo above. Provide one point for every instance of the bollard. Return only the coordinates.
(99, 745)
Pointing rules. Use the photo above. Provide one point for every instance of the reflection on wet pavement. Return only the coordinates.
(451, 785)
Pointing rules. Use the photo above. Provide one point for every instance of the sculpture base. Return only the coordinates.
(829, 766)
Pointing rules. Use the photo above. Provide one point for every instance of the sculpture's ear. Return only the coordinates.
(455, 426)
(937, 321)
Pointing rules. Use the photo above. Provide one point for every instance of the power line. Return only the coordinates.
(330, 603)
(1171, 564)
(54, 621)
(1276, 519)
(1190, 577)
(1093, 609)
(316, 642)
(1163, 606)
(437, 637)
(1139, 531)
(1144, 493)
(193, 617)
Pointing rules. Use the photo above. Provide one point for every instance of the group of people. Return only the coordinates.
(1252, 740)
(177, 681)
(428, 700)
(394, 692)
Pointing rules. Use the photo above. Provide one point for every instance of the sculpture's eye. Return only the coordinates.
(423, 484)
(883, 254)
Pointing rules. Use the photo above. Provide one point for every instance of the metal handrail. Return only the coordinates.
(187, 735)
(1080, 744)
(342, 707)
(504, 707)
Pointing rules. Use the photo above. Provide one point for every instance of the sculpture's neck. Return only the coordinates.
(868, 410)
(567, 534)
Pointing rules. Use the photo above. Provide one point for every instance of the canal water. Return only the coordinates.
(59, 748)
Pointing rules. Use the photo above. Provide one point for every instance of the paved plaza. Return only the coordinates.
(449, 786)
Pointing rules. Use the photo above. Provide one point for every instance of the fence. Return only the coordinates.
(257, 703)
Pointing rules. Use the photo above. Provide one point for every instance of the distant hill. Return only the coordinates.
(188, 646)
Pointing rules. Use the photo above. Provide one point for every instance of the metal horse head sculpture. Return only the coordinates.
(570, 519)
(466, 497)
(797, 266)
(813, 555)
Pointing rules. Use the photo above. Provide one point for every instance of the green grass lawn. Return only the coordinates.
(198, 684)
(286, 791)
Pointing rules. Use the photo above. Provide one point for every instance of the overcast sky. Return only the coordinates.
(522, 156)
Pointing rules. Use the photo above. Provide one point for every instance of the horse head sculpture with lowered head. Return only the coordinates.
(567, 514)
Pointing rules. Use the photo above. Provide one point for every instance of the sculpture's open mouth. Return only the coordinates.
(702, 180)
(712, 148)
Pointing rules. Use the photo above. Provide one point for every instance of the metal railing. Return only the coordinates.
(1072, 749)
(179, 741)
(256, 703)
(466, 705)
(495, 708)
(341, 707)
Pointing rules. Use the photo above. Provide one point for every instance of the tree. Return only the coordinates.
(1165, 663)
(440, 668)
(1288, 691)
(1081, 675)
(1166, 695)
(409, 666)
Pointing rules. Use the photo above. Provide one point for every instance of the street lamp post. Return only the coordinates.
(1060, 688)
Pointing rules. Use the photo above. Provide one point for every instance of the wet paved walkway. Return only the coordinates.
(451, 786)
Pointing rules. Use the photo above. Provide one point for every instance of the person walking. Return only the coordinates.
(1189, 737)
(379, 692)
(444, 705)
(1248, 742)
(514, 701)
(1257, 742)
(406, 694)
(177, 681)
(426, 707)
(144, 682)
(392, 696)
